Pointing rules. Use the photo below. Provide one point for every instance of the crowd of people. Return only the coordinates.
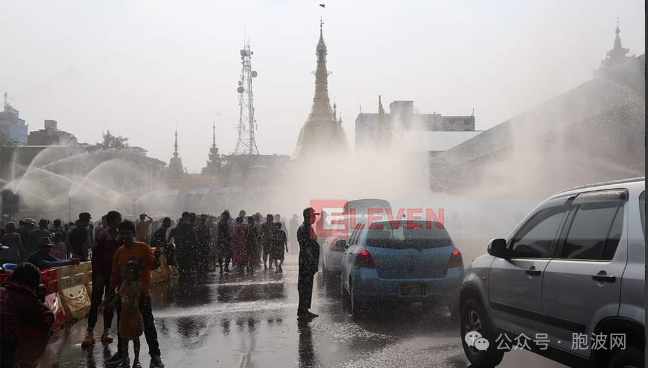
(192, 243)
(123, 255)
(121, 276)
(199, 243)
(70, 241)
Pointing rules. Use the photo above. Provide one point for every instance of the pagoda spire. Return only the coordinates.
(615, 57)
(175, 145)
(321, 45)
(321, 109)
(321, 133)
(213, 151)
(175, 164)
(213, 161)
(214, 135)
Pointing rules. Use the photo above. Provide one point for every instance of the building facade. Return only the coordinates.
(51, 136)
(433, 133)
(11, 125)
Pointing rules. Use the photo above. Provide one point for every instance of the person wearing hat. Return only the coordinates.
(80, 237)
(36, 235)
(43, 259)
(308, 263)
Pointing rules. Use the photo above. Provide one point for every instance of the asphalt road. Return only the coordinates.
(249, 321)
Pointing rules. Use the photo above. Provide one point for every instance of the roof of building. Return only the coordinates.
(593, 98)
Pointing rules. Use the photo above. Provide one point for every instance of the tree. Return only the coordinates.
(112, 141)
(5, 141)
(7, 148)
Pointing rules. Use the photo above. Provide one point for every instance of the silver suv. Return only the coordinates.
(568, 283)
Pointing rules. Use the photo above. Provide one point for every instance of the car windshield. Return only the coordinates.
(408, 235)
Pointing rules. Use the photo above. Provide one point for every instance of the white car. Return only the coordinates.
(568, 283)
(333, 247)
(332, 252)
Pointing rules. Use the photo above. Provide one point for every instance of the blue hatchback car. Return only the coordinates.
(407, 261)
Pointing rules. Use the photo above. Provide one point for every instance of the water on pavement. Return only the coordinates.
(249, 321)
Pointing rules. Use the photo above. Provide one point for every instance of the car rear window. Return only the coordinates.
(408, 235)
(362, 206)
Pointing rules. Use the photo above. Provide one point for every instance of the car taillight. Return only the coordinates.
(456, 260)
(364, 260)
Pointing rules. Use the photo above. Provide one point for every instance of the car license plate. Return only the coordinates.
(413, 290)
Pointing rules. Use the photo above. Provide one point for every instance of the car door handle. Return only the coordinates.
(603, 277)
(533, 272)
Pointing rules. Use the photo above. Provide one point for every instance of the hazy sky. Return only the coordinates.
(139, 68)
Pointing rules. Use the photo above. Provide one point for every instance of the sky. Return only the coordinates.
(142, 68)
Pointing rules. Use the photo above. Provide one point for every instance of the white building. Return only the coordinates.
(404, 126)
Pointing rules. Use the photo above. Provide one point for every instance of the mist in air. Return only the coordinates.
(174, 65)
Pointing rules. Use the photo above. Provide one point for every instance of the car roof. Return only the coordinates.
(361, 200)
(625, 183)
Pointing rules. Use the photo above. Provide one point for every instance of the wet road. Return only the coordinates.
(249, 321)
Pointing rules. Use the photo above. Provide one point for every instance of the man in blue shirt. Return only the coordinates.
(43, 259)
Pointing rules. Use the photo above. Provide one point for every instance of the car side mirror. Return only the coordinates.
(342, 244)
(497, 248)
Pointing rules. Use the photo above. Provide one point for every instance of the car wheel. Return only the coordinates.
(628, 358)
(474, 318)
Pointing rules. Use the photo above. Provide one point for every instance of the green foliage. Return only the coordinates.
(6, 142)
(112, 141)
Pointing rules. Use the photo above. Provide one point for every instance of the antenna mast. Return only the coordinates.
(246, 144)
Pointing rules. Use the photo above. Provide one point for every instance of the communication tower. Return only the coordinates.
(246, 144)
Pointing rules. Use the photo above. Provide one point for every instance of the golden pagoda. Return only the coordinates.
(322, 133)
